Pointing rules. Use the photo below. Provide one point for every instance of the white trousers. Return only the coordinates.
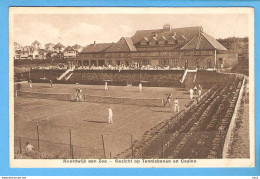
(110, 120)
(176, 108)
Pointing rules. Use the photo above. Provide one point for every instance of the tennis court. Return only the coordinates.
(88, 120)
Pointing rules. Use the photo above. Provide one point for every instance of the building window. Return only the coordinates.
(186, 53)
(209, 64)
(197, 63)
(165, 62)
(175, 62)
(197, 52)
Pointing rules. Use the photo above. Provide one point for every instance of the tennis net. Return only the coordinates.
(122, 100)
(55, 96)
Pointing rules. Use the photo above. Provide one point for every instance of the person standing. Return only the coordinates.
(195, 89)
(77, 94)
(80, 96)
(30, 83)
(140, 87)
(199, 92)
(168, 100)
(51, 83)
(106, 87)
(176, 105)
(200, 88)
(110, 115)
(191, 93)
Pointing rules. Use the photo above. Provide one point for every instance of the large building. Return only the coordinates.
(188, 47)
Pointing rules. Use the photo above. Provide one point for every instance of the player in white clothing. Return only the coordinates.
(106, 87)
(176, 105)
(110, 115)
(29, 147)
(140, 87)
(30, 83)
(199, 92)
(191, 93)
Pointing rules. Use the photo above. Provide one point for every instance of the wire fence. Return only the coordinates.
(46, 149)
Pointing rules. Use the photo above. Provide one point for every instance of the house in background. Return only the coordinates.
(36, 45)
(77, 47)
(49, 47)
(17, 46)
(59, 48)
(70, 52)
(42, 54)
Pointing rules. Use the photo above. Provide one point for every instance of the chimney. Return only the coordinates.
(94, 43)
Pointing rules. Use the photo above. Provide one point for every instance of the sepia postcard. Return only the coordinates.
(120, 87)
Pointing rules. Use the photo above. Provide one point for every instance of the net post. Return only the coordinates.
(16, 93)
(20, 144)
(38, 138)
(103, 146)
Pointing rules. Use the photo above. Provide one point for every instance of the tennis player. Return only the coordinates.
(51, 83)
(29, 147)
(140, 87)
(30, 83)
(110, 115)
(106, 87)
(195, 89)
(176, 105)
(191, 93)
(199, 92)
(168, 100)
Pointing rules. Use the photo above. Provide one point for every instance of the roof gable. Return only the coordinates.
(69, 48)
(59, 45)
(203, 41)
(125, 44)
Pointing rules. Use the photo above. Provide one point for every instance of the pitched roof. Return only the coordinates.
(179, 33)
(203, 41)
(125, 44)
(59, 45)
(100, 47)
(69, 48)
(76, 46)
(214, 42)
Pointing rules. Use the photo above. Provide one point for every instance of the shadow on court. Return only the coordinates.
(96, 121)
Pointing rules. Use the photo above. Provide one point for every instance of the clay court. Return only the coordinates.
(87, 120)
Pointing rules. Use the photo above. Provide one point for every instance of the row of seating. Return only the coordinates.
(198, 132)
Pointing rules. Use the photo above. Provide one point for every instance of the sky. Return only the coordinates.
(84, 29)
